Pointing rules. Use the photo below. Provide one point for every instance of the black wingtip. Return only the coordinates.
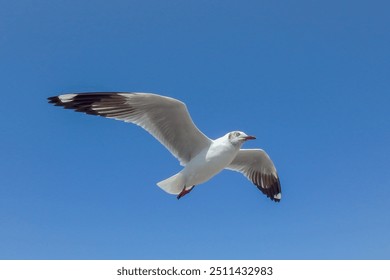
(54, 100)
(272, 188)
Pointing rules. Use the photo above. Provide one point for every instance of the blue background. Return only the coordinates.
(309, 78)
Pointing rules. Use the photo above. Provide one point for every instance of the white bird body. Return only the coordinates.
(209, 162)
(168, 120)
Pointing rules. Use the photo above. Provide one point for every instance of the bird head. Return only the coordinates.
(239, 137)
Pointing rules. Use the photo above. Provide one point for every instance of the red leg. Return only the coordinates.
(184, 192)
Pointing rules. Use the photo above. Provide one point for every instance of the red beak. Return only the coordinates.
(250, 137)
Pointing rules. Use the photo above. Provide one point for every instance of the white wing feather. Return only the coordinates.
(167, 119)
(256, 165)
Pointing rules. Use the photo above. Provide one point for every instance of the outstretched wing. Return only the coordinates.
(256, 165)
(167, 119)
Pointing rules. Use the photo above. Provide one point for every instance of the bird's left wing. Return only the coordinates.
(256, 165)
(167, 119)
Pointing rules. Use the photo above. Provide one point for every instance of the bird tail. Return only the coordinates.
(173, 185)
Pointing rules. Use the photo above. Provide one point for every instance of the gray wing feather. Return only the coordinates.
(256, 165)
(167, 119)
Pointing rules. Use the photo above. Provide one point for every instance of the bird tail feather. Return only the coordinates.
(173, 185)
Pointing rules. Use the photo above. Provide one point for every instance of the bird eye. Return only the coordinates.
(237, 134)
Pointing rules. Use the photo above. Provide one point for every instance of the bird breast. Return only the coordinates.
(209, 162)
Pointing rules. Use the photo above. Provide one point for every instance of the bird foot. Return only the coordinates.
(184, 192)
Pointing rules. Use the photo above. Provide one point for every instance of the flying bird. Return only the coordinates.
(169, 121)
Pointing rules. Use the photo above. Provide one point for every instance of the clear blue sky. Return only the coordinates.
(309, 78)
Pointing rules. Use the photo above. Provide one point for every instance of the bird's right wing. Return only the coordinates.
(256, 165)
(167, 119)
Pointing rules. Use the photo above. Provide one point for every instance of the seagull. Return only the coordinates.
(168, 120)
